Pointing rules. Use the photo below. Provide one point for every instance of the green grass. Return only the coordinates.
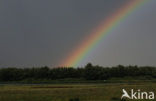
(70, 92)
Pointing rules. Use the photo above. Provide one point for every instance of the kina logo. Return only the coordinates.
(137, 94)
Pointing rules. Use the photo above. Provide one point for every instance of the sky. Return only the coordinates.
(43, 32)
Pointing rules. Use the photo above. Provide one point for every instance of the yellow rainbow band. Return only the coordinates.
(97, 34)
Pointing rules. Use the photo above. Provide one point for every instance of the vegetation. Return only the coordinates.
(71, 92)
(91, 83)
(89, 72)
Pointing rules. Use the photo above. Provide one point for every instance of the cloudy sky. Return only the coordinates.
(43, 32)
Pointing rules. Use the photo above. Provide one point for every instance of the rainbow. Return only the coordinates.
(98, 33)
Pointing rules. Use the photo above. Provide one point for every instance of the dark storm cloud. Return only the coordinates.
(42, 32)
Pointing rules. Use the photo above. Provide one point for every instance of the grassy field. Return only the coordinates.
(70, 92)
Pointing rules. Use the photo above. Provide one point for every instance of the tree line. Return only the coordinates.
(89, 72)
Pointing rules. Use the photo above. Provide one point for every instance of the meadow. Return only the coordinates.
(91, 83)
(70, 92)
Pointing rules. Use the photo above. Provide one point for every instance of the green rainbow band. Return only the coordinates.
(100, 32)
